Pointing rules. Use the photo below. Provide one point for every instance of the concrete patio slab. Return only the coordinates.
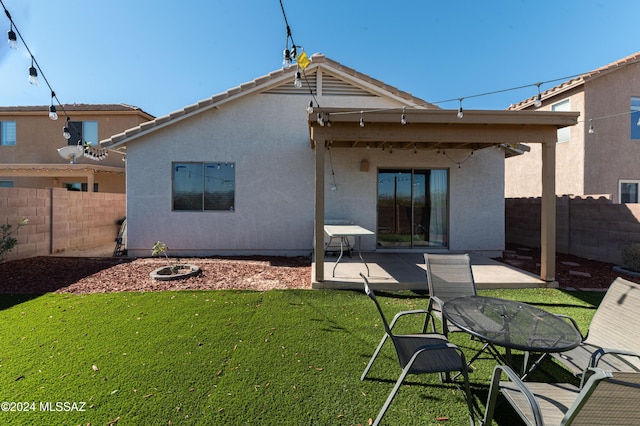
(406, 271)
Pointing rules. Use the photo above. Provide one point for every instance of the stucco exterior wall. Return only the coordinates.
(523, 173)
(590, 163)
(611, 154)
(267, 138)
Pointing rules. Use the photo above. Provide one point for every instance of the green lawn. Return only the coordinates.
(228, 357)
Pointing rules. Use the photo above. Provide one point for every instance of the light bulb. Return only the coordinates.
(538, 101)
(310, 107)
(591, 130)
(65, 130)
(460, 113)
(11, 38)
(52, 113)
(286, 59)
(320, 119)
(297, 82)
(33, 75)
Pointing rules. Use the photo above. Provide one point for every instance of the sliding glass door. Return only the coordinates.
(413, 208)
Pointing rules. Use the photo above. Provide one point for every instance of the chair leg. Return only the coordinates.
(467, 391)
(429, 320)
(392, 395)
(373, 357)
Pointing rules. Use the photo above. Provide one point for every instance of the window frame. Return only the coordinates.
(80, 135)
(563, 134)
(627, 182)
(206, 189)
(634, 114)
(3, 133)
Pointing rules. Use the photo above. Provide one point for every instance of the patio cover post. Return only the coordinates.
(318, 225)
(548, 213)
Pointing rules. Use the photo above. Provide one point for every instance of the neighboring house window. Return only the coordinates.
(628, 190)
(635, 118)
(204, 186)
(6, 184)
(86, 131)
(7, 133)
(79, 186)
(564, 134)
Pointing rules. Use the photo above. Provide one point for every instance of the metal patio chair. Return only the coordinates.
(607, 398)
(418, 354)
(612, 340)
(448, 276)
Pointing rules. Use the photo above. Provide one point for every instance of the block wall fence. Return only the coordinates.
(591, 227)
(60, 220)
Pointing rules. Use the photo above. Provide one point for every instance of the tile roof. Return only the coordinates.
(260, 84)
(580, 79)
(73, 107)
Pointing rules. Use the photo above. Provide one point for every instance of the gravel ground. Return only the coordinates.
(106, 274)
(103, 274)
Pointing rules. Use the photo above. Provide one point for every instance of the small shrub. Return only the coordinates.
(160, 248)
(7, 240)
(631, 256)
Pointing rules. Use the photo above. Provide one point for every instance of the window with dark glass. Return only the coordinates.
(204, 186)
(86, 131)
(635, 118)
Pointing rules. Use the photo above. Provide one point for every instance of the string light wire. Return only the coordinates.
(96, 154)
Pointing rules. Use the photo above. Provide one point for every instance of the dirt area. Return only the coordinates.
(571, 271)
(103, 274)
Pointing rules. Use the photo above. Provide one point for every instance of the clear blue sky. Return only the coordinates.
(163, 55)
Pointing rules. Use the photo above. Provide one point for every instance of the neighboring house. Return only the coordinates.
(29, 143)
(601, 162)
(238, 173)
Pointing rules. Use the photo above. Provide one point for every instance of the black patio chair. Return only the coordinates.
(448, 276)
(418, 354)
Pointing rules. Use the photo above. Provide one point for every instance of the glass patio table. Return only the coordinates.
(512, 325)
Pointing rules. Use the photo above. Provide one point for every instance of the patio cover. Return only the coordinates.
(441, 129)
(59, 171)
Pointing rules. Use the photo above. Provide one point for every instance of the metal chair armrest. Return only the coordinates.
(495, 388)
(403, 313)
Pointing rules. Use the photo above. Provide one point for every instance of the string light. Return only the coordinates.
(361, 119)
(52, 109)
(538, 101)
(11, 38)
(33, 74)
(297, 82)
(403, 117)
(460, 113)
(65, 130)
(35, 71)
(591, 130)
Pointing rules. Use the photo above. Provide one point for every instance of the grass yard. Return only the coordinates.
(282, 357)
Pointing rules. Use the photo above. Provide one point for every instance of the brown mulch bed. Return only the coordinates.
(46, 274)
(572, 272)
